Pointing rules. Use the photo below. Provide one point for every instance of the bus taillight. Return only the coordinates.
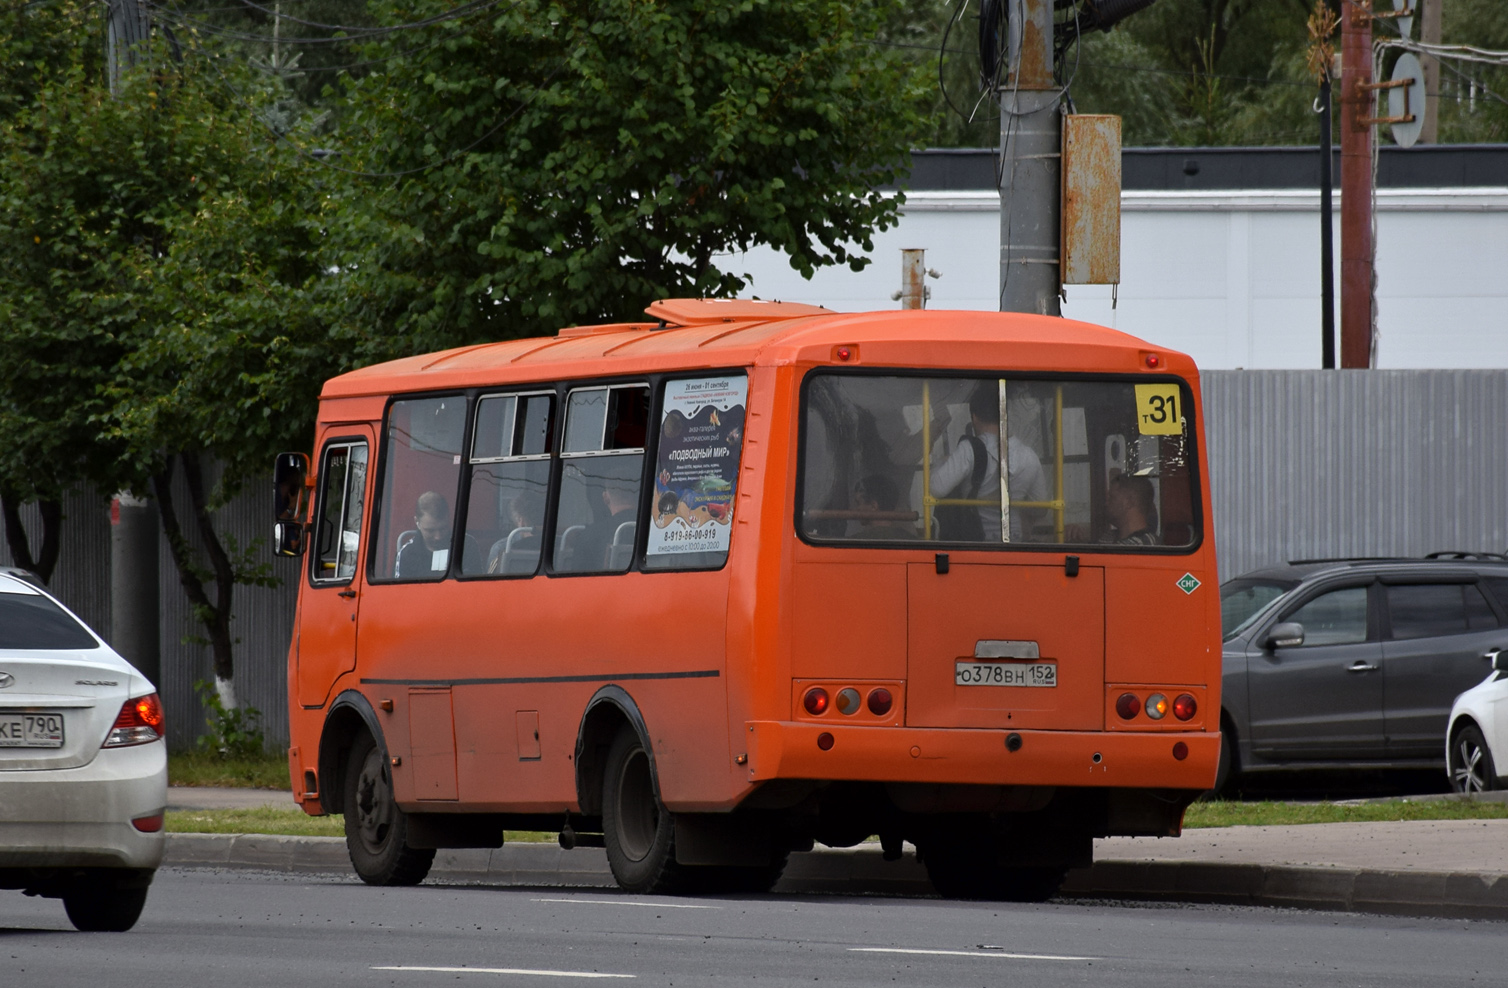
(1157, 706)
(815, 701)
(1128, 705)
(1184, 707)
(848, 701)
(880, 701)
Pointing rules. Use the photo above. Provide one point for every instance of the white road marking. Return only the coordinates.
(971, 953)
(508, 970)
(629, 902)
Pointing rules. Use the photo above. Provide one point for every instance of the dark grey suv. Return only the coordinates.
(1355, 662)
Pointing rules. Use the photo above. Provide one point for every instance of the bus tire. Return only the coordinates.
(639, 833)
(958, 873)
(376, 829)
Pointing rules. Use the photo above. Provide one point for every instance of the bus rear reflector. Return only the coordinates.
(1180, 751)
(1128, 705)
(1184, 707)
(880, 701)
(825, 741)
(815, 702)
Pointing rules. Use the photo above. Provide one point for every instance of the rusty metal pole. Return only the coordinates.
(1356, 247)
(1031, 150)
(1429, 33)
(913, 271)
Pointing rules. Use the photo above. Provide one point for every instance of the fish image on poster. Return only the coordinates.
(696, 468)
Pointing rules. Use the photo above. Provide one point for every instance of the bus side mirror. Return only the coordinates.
(289, 479)
(1285, 635)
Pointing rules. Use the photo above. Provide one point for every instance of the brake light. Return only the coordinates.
(1157, 706)
(148, 824)
(140, 721)
(880, 701)
(815, 701)
(1184, 707)
(848, 701)
(1128, 705)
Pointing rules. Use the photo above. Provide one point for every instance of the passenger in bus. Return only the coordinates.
(960, 476)
(878, 493)
(622, 503)
(1131, 505)
(428, 553)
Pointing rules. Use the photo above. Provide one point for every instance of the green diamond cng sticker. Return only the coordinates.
(1188, 583)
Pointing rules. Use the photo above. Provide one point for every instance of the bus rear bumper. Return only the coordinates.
(787, 750)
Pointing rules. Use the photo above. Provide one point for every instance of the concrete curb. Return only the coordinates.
(862, 871)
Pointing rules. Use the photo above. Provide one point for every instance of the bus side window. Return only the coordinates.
(420, 476)
(597, 512)
(510, 475)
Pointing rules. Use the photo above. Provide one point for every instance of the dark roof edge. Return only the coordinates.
(1233, 168)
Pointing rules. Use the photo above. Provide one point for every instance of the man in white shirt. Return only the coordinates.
(957, 477)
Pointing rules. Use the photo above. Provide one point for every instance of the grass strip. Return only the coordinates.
(1221, 813)
(288, 822)
(198, 768)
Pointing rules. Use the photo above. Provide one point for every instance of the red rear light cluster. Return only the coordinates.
(1156, 705)
(140, 721)
(849, 701)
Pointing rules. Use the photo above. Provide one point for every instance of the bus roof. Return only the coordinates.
(689, 334)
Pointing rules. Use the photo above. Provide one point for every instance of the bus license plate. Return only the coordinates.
(1005, 674)
(27, 730)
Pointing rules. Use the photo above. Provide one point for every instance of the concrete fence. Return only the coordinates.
(1304, 464)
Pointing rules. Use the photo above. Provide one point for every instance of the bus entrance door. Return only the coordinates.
(1005, 646)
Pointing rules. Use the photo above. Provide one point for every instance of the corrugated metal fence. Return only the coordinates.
(1304, 464)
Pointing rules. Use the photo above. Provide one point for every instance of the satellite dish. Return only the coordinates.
(1407, 100)
(1405, 23)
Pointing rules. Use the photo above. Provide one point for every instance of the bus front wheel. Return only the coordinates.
(637, 829)
(376, 829)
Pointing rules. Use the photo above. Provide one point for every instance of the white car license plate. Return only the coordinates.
(31, 730)
(1005, 674)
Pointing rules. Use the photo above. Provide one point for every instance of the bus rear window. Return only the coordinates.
(897, 459)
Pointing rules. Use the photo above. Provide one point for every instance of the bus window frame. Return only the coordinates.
(463, 485)
(477, 396)
(1196, 490)
(332, 444)
(557, 473)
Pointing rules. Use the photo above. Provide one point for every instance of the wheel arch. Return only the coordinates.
(349, 714)
(606, 713)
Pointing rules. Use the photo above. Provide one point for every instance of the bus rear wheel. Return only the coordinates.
(376, 829)
(957, 872)
(637, 829)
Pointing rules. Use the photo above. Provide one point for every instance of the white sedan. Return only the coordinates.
(83, 764)
(1476, 746)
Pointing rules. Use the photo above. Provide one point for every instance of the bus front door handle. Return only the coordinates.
(1359, 666)
(348, 594)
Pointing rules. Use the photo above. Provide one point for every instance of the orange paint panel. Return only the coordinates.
(1160, 633)
(951, 613)
(528, 735)
(432, 755)
(849, 619)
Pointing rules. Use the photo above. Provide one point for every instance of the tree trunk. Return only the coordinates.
(213, 615)
(20, 547)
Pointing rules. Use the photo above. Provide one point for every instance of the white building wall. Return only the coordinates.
(1231, 278)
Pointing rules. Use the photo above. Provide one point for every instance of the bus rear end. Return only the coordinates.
(1002, 621)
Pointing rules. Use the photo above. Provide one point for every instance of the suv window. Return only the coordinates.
(1498, 587)
(1242, 600)
(30, 620)
(1335, 618)
(1432, 610)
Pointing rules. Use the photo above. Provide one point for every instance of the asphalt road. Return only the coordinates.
(206, 928)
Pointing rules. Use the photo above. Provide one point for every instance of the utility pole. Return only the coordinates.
(1357, 251)
(1031, 141)
(134, 590)
(1429, 33)
(1327, 232)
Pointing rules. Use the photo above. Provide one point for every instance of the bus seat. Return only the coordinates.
(516, 561)
(404, 538)
(622, 549)
(515, 535)
(565, 546)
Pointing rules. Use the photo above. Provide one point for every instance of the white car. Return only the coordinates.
(1476, 746)
(83, 764)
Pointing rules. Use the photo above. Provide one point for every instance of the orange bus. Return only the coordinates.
(745, 577)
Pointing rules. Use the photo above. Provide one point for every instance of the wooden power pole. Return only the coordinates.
(1357, 251)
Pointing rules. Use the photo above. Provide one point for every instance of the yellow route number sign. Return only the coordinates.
(1159, 410)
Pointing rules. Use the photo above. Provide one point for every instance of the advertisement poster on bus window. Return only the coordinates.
(696, 471)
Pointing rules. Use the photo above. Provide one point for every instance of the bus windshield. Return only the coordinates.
(896, 459)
